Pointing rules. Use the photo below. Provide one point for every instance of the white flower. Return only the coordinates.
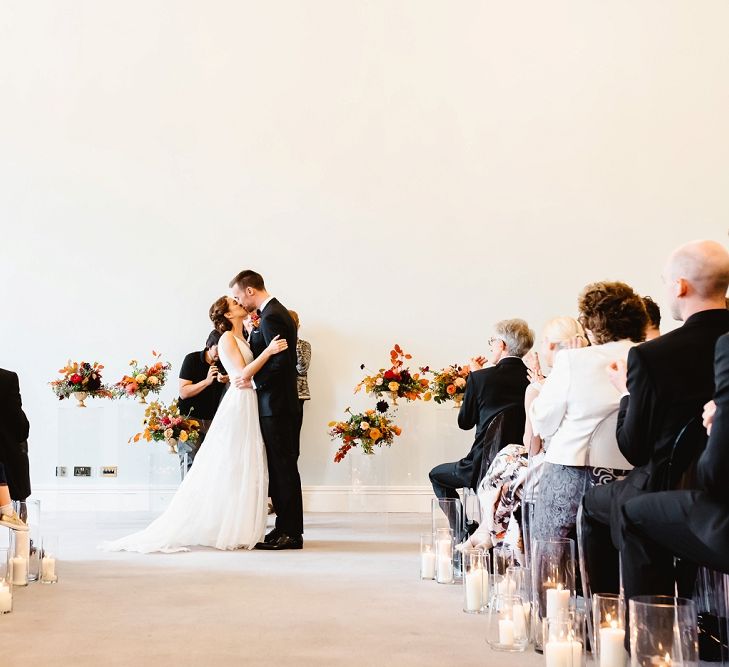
(380, 380)
(152, 380)
(168, 433)
(140, 379)
(459, 382)
(364, 426)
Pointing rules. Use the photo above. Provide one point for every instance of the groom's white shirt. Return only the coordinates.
(265, 303)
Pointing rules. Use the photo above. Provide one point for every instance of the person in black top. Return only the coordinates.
(693, 525)
(664, 384)
(488, 391)
(202, 384)
(14, 429)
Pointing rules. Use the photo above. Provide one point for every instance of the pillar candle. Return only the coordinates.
(6, 598)
(48, 569)
(445, 570)
(20, 571)
(485, 585)
(558, 600)
(473, 583)
(612, 649)
(563, 653)
(506, 632)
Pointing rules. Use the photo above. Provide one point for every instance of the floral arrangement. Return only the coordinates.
(368, 429)
(144, 380)
(448, 384)
(80, 378)
(163, 422)
(396, 381)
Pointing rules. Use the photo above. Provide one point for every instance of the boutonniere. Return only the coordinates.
(255, 320)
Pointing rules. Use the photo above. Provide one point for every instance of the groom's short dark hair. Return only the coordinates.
(248, 278)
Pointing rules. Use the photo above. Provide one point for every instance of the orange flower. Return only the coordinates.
(375, 434)
(397, 430)
(451, 389)
(424, 383)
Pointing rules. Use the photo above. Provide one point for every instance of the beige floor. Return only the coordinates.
(351, 597)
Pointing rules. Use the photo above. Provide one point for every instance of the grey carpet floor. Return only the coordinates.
(351, 597)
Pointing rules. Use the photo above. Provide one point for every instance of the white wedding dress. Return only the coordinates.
(223, 500)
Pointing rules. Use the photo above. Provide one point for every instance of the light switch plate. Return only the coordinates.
(82, 471)
(108, 471)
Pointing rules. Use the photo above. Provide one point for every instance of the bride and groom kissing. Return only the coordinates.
(251, 447)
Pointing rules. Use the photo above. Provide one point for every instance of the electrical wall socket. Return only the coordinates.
(82, 471)
(108, 471)
(61, 471)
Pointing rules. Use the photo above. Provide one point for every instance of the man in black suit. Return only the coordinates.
(665, 384)
(14, 429)
(693, 525)
(488, 391)
(278, 407)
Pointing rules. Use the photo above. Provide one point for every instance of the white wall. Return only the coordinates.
(399, 172)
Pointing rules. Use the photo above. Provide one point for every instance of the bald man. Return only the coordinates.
(664, 385)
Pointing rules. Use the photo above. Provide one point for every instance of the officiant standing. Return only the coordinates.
(278, 408)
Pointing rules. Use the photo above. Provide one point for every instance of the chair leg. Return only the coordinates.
(586, 591)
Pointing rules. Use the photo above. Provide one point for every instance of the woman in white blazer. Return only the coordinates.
(576, 409)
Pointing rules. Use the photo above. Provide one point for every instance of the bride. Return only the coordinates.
(222, 502)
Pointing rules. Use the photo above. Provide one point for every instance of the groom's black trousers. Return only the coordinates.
(280, 433)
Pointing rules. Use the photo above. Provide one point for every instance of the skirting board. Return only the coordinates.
(316, 498)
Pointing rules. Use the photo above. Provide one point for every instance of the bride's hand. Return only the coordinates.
(277, 345)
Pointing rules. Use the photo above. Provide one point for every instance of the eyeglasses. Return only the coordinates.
(495, 339)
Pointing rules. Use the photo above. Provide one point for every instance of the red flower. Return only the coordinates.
(75, 379)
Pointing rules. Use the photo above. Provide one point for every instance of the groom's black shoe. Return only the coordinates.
(281, 542)
(271, 536)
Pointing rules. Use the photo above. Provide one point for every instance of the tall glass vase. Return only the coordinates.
(27, 544)
(663, 632)
(553, 581)
(448, 513)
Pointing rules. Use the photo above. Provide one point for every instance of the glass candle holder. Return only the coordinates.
(475, 581)
(444, 556)
(507, 626)
(563, 640)
(502, 557)
(448, 513)
(6, 582)
(28, 543)
(553, 581)
(608, 630)
(427, 557)
(18, 557)
(49, 560)
(663, 632)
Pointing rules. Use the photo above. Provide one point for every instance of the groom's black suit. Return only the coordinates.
(278, 407)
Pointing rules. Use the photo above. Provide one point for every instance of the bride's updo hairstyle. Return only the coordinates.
(217, 315)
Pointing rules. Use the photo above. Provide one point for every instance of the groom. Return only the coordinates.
(278, 408)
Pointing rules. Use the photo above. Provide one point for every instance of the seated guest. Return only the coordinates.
(577, 408)
(506, 484)
(665, 385)
(14, 429)
(488, 392)
(693, 525)
(303, 359)
(653, 328)
(201, 387)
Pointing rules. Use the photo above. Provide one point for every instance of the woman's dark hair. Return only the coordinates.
(612, 311)
(217, 315)
(248, 278)
(654, 312)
